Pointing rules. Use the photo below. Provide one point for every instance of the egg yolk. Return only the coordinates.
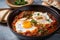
(27, 24)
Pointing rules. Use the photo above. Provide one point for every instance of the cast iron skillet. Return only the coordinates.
(33, 8)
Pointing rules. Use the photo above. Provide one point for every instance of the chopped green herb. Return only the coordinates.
(33, 21)
(20, 2)
(38, 14)
(40, 30)
(47, 19)
(30, 15)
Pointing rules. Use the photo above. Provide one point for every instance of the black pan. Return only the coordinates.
(33, 8)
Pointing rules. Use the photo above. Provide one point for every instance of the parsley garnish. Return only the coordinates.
(48, 20)
(33, 21)
(20, 2)
(40, 30)
(38, 14)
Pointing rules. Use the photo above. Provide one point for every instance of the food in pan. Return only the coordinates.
(33, 23)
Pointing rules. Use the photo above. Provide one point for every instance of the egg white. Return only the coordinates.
(20, 28)
(19, 24)
(44, 20)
